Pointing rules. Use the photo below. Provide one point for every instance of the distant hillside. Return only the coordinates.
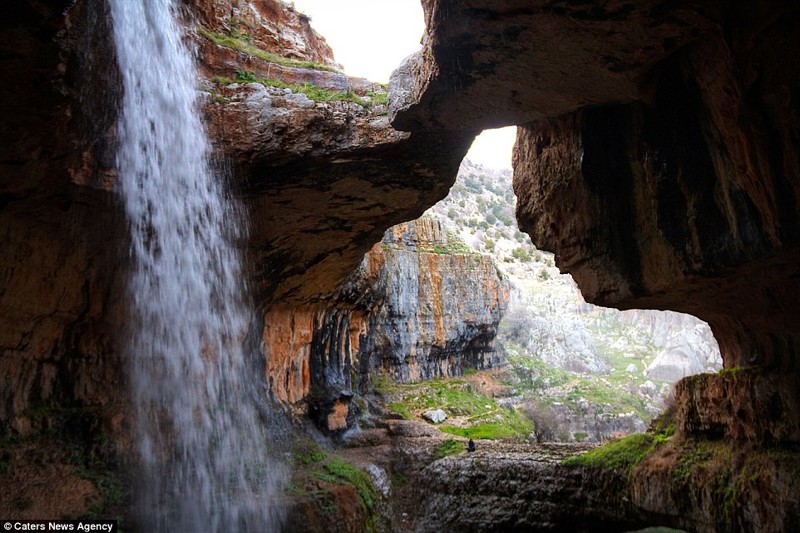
(584, 372)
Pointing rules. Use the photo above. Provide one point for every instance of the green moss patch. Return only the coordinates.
(622, 455)
(313, 92)
(448, 447)
(241, 44)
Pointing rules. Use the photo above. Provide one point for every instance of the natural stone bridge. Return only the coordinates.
(656, 156)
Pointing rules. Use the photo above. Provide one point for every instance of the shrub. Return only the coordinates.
(547, 424)
(521, 253)
(245, 75)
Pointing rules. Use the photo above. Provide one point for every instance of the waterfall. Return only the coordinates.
(199, 428)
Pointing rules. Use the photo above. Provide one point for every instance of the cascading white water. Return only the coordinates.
(201, 438)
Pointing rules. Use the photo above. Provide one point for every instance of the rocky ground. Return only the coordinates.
(403, 458)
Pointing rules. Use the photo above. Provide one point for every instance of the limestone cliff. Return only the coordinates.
(441, 305)
(657, 158)
(319, 181)
(419, 308)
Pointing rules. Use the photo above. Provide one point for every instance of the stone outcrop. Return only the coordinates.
(630, 164)
(414, 310)
(440, 308)
(657, 158)
(523, 489)
(270, 25)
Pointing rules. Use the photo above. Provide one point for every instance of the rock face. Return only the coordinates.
(440, 309)
(521, 491)
(271, 25)
(630, 165)
(657, 158)
(417, 311)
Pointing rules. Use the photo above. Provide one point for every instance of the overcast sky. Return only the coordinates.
(370, 38)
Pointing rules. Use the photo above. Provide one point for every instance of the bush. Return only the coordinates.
(547, 425)
(522, 254)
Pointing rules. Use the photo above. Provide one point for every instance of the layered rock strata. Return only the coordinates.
(657, 158)
(416, 311)
(319, 181)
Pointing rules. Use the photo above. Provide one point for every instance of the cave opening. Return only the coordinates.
(583, 373)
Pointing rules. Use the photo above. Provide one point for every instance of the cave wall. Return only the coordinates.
(656, 152)
(62, 238)
(690, 205)
(656, 157)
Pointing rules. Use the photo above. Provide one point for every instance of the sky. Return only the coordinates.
(370, 38)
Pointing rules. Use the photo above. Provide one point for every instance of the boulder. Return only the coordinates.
(435, 416)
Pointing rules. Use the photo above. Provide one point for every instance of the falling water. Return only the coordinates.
(199, 421)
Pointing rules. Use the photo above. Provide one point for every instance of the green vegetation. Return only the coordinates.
(401, 409)
(112, 491)
(607, 393)
(622, 455)
(580, 436)
(733, 373)
(454, 246)
(313, 92)
(515, 427)
(239, 42)
(343, 472)
(448, 447)
(242, 42)
(455, 396)
(522, 254)
(479, 416)
(245, 75)
(314, 471)
(308, 453)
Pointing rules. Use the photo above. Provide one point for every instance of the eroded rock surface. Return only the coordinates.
(415, 310)
(657, 158)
